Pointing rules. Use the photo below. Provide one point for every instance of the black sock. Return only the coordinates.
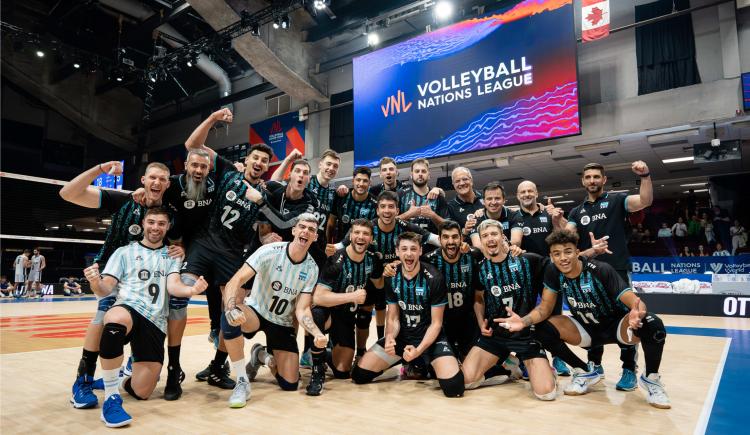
(381, 331)
(308, 343)
(174, 357)
(220, 358)
(361, 351)
(87, 365)
(549, 336)
(628, 356)
(318, 355)
(595, 355)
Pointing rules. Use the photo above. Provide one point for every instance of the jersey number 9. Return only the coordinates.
(153, 290)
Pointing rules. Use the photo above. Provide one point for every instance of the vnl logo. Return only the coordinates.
(276, 127)
(395, 104)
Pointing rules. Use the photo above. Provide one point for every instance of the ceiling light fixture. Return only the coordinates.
(443, 10)
(373, 39)
(678, 159)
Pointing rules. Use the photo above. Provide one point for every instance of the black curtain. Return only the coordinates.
(342, 122)
(665, 50)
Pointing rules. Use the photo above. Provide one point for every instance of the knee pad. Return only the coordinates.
(228, 330)
(112, 341)
(363, 319)
(129, 389)
(547, 397)
(453, 387)
(320, 315)
(286, 385)
(652, 331)
(363, 376)
(338, 374)
(103, 305)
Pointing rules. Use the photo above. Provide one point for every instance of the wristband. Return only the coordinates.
(101, 169)
(647, 174)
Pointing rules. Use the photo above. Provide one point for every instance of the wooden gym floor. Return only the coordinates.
(704, 370)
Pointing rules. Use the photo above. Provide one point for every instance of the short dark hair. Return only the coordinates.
(388, 195)
(409, 236)
(562, 237)
(385, 160)
(598, 166)
(449, 225)
(361, 222)
(362, 170)
(300, 162)
(158, 210)
(421, 161)
(492, 185)
(262, 148)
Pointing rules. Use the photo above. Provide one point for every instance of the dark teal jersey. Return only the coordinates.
(347, 209)
(127, 217)
(341, 274)
(461, 280)
(415, 298)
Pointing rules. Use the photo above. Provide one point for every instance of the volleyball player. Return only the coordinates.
(507, 283)
(604, 310)
(139, 276)
(285, 276)
(357, 204)
(20, 264)
(415, 204)
(416, 302)
(341, 287)
(389, 178)
(127, 215)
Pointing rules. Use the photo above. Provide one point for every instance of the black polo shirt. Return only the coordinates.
(604, 217)
(536, 227)
(458, 209)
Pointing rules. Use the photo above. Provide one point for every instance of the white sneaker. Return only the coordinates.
(240, 394)
(582, 380)
(656, 396)
(512, 363)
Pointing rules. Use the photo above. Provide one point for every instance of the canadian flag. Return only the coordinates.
(594, 19)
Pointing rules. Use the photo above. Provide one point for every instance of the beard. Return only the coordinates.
(195, 190)
(419, 183)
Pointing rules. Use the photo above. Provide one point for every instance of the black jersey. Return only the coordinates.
(461, 280)
(288, 209)
(407, 196)
(231, 221)
(385, 242)
(510, 220)
(536, 227)
(348, 209)
(326, 197)
(593, 296)
(604, 217)
(514, 282)
(415, 298)
(341, 274)
(127, 216)
(458, 209)
(192, 215)
(377, 190)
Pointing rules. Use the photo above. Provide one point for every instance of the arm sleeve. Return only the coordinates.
(174, 266)
(112, 200)
(222, 166)
(115, 266)
(515, 221)
(313, 278)
(551, 278)
(261, 257)
(613, 283)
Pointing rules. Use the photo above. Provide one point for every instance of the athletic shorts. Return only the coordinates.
(103, 305)
(35, 276)
(375, 297)
(342, 327)
(20, 278)
(439, 348)
(501, 347)
(601, 334)
(215, 268)
(461, 332)
(146, 339)
(278, 337)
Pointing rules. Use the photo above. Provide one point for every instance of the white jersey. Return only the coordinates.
(36, 263)
(142, 274)
(278, 282)
(20, 264)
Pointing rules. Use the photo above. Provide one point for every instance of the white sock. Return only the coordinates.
(111, 380)
(239, 369)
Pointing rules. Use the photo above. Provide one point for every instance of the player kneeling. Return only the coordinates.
(415, 293)
(285, 275)
(139, 273)
(609, 313)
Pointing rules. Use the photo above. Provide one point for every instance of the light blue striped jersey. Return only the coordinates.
(142, 273)
(278, 282)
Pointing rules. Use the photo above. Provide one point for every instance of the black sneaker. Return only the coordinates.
(317, 379)
(219, 377)
(202, 375)
(173, 390)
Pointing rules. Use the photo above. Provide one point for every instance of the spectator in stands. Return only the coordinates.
(702, 252)
(637, 235)
(6, 288)
(739, 236)
(679, 229)
(708, 230)
(694, 228)
(720, 251)
(71, 287)
(664, 231)
(647, 236)
(721, 226)
(686, 252)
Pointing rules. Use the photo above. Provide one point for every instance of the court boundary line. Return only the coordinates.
(708, 404)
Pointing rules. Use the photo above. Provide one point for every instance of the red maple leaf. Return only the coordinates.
(595, 16)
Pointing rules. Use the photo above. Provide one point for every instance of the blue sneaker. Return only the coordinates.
(627, 381)
(560, 367)
(98, 384)
(83, 397)
(113, 415)
(213, 338)
(306, 360)
(524, 372)
(126, 371)
(599, 369)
